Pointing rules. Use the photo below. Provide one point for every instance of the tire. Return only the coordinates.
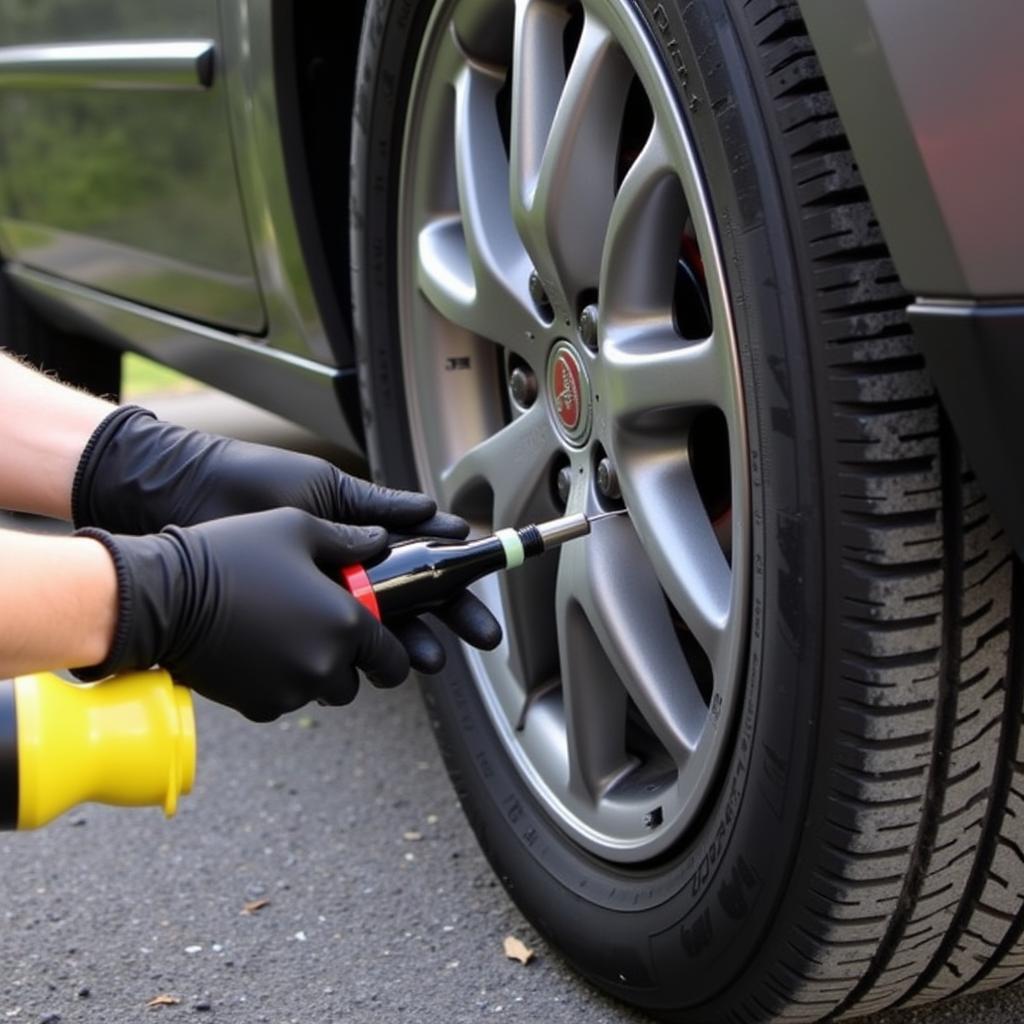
(75, 359)
(861, 846)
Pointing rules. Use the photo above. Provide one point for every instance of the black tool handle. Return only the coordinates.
(417, 576)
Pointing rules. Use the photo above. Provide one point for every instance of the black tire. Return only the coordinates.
(864, 847)
(73, 358)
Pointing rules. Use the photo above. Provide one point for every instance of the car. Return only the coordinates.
(750, 270)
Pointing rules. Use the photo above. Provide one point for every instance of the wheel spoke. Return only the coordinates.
(498, 260)
(610, 580)
(649, 367)
(472, 266)
(642, 244)
(594, 702)
(444, 273)
(463, 291)
(667, 511)
(528, 603)
(562, 203)
(515, 463)
(537, 82)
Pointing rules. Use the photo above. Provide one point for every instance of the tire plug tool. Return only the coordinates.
(419, 575)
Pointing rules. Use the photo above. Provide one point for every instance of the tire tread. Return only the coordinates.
(919, 878)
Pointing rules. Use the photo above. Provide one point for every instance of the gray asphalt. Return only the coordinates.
(380, 906)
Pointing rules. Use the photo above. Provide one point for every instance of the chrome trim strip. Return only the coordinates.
(170, 64)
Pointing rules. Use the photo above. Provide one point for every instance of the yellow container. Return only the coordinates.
(129, 741)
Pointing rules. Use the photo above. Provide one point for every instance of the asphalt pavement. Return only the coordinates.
(321, 872)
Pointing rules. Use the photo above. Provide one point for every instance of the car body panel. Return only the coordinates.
(118, 174)
(929, 94)
(252, 327)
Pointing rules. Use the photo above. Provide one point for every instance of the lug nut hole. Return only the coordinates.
(541, 302)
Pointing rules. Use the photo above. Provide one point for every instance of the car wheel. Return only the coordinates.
(751, 750)
(75, 359)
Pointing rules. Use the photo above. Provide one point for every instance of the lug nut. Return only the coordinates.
(608, 480)
(539, 295)
(564, 483)
(588, 326)
(522, 382)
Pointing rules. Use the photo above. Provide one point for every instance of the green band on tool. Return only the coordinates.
(513, 546)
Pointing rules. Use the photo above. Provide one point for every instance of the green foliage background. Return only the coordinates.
(148, 169)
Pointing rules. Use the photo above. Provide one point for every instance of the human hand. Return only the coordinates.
(139, 474)
(246, 611)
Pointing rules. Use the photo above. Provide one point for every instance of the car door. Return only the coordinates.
(116, 162)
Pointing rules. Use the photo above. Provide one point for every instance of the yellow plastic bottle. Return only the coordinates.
(128, 741)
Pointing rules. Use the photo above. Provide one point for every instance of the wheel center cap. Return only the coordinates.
(569, 393)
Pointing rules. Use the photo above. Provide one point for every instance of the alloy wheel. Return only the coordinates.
(568, 346)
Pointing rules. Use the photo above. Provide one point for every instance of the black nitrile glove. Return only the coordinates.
(138, 475)
(466, 616)
(245, 611)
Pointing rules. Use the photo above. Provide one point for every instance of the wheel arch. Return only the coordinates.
(315, 47)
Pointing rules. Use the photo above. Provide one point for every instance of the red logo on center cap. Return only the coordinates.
(565, 389)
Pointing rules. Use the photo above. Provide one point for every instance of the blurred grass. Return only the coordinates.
(141, 376)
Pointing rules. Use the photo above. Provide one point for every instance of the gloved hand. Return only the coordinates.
(244, 610)
(138, 475)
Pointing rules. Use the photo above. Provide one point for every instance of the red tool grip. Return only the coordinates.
(359, 586)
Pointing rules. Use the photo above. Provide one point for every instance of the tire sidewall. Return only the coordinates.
(680, 933)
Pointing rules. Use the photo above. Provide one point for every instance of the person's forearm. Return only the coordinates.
(58, 602)
(44, 426)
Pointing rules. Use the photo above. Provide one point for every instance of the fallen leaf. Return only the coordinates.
(164, 999)
(252, 906)
(412, 836)
(517, 950)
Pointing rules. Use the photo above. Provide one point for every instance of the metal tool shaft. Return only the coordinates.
(558, 531)
(419, 575)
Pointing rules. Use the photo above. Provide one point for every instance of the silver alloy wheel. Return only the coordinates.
(621, 667)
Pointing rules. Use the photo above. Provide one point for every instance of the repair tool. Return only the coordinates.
(418, 575)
